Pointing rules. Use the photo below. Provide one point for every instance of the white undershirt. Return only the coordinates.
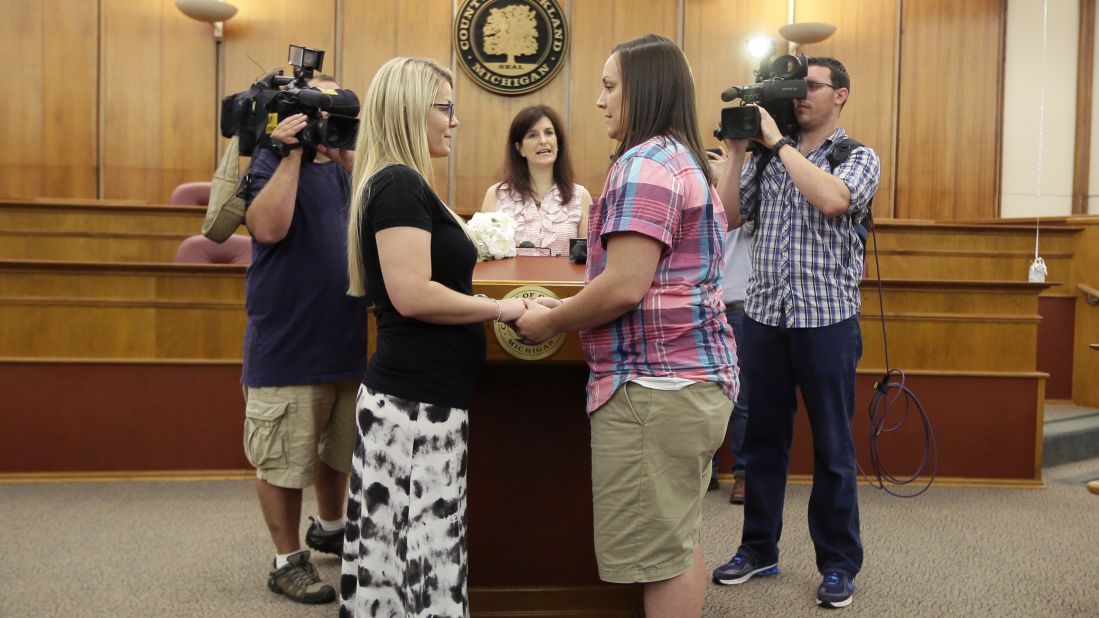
(663, 384)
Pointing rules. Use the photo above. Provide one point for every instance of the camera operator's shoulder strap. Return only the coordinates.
(765, 156)
(840, 153)
(842, 150)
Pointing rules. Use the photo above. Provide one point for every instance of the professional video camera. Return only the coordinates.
(777, 84)
(254, 113)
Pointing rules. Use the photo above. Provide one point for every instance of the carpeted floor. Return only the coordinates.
(201, 549)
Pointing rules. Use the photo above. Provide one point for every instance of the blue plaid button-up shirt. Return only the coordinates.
(806, 266)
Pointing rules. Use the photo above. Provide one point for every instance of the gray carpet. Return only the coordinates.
(200, 549)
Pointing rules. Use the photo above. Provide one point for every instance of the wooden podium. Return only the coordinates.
(530, 505)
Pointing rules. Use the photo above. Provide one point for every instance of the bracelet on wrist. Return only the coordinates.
(499, 308)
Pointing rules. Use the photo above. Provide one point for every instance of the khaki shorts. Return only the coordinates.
(287, 427)
(651, 453)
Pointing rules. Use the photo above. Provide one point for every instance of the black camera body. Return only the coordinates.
(777, 85)
(254, 113)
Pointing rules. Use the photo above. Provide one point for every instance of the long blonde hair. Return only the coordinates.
(392, 130)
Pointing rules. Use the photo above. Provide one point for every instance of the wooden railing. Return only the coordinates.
(1090, 294)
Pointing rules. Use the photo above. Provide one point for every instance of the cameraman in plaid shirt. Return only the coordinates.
(801, 328)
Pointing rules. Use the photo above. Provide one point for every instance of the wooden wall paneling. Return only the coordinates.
(76, 428)
(972, 265)
(118, 311)
(1055, 344)
(159, 111)
(374, 31)
(1085, 63)
(80, 330)
(865, 42)
(49, 125)
(1085, 366)
(952, 326)
(33, 216)
(948, 140)
(715, 35)
(80, 436)
(97, 246)
(596, 28)
(1001, 411)
(485, 117)
(912, 250)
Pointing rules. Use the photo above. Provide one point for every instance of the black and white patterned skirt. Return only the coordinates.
(404, 554)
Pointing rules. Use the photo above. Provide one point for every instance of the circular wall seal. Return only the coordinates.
(511, 46)
(509, 340)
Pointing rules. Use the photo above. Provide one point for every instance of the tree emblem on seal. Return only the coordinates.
(511, 30)
(511, 46)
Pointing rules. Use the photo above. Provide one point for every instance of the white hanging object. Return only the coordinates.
(1038, 271)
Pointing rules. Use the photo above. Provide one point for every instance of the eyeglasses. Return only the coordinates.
(448, 107)
(815, 86)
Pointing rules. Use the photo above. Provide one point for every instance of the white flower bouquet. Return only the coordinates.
(494, 235)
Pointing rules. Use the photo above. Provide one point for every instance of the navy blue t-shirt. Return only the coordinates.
(415, 360)
(303, 328)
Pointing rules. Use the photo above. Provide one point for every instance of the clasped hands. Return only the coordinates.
(529, 317)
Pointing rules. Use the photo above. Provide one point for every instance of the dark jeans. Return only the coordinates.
(739, 420)
(821, 362)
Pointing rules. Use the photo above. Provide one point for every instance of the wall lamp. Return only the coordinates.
(806, 33)
(213, 12)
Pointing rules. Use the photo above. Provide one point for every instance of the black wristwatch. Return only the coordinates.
(281, 148)
(785, 141)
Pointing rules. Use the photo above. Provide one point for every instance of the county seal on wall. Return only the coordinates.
(511, 46)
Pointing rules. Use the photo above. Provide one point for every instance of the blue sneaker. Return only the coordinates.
(739, 570)
(836, 590)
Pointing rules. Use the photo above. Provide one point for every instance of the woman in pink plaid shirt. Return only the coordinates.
(661, 353)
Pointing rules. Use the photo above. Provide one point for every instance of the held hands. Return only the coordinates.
(511, 309)
(529, 318)
(534, 325)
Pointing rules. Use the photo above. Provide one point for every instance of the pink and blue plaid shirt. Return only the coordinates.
(679, 329)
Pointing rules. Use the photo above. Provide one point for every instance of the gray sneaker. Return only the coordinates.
(323, 541)
(298, 580)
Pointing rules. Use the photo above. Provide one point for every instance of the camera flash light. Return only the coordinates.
(760, 46)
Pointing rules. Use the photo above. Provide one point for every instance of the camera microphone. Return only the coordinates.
(730, 94)
(314, 98)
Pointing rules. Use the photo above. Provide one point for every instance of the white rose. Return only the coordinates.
(494, 234)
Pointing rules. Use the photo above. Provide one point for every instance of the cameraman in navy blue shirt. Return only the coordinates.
(304, 350)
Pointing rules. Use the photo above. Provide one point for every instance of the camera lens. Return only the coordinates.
(788, 67)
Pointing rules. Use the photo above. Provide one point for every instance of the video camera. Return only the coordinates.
(254, 113)
(777, 85)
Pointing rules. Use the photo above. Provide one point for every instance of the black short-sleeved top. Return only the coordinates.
(428, 363)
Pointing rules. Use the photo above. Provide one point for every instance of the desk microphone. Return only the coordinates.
(526, 244)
